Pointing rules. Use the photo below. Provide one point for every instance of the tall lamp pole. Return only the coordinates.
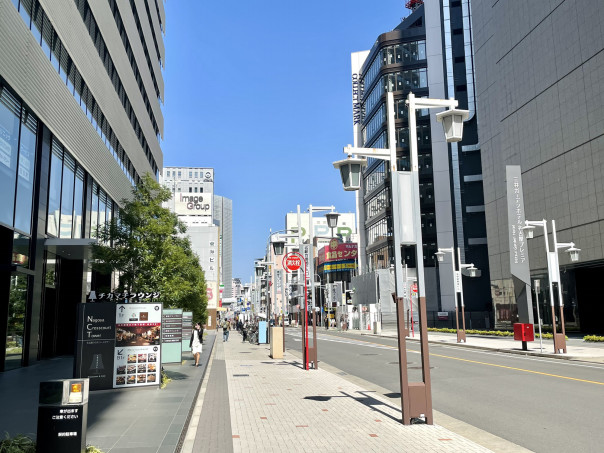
(458, 286)
(553, 270)
(416, 397)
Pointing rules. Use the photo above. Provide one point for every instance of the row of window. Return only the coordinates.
(66, 198)
(396, 81)
(405, 53)
(101, 47)
(375, 178)
(18, 130)
(139, 28)
(376, 205)
(378, 120)
(378, 231)
(56, 52)
(153, 31)
(119, 23)
(66, 187)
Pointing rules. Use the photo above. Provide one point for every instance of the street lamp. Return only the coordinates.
(553, 270)
(458, 286)
(418, 397)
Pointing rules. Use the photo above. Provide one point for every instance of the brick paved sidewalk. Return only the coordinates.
(277, 406)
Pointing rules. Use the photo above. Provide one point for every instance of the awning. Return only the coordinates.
(221, 309)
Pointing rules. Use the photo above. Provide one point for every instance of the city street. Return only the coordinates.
(541, 404)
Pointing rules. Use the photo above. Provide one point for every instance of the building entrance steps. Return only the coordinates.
(255, 403)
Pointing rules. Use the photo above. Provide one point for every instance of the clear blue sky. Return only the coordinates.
(260, 91)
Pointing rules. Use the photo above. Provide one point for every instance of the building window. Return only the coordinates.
(179, 174)
(67, 196)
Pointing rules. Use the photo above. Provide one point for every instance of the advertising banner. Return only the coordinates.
(171, 335)
(95, 344)
(337, 251)
(137, 360)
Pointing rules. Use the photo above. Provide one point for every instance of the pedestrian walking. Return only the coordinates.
(195, 342)
(226, 326)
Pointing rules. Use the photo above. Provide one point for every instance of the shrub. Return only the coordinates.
(593, 338)
(18, 444)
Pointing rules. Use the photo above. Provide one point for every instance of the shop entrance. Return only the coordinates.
(590, 307)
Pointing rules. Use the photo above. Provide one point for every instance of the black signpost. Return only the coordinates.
(95, 344)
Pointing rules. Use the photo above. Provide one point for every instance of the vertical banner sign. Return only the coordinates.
(357, 59)
(95, 344)
(519, 259)
(279, 284)
(305, 249)
(187, 328)
(171, 335)
(458, 281)
(137, 359)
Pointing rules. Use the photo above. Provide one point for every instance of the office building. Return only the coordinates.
(540, 85)
(430, 54)
(80, 121)
(209, 221)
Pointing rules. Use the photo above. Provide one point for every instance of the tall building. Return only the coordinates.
(80, 122)
(209, 220)
(223, 218)
(540, 85)
(430, 54)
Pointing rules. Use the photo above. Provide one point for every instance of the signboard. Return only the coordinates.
(357, 59)
(519, 259)
(293, 262)
(457, 275)
(346, 227)
(137, 360)
(335, 294)
(442, 315)
(187, 329)
(171, 335)
(519, 262)
(335, 251)
(186, 203)
(95, 344)
(62, 428)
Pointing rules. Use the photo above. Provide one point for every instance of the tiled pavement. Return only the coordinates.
(277, 406)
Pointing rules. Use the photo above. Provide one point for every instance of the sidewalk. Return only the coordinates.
(577, 349)
(275, 405)
(130, 420)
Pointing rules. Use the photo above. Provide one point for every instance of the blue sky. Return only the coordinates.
(260, 91)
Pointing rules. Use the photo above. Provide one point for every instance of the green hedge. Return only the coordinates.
(493, 333)
(593, 338)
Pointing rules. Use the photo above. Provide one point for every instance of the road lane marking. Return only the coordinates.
(378, 345)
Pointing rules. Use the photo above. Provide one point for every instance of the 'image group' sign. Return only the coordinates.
(186, 203)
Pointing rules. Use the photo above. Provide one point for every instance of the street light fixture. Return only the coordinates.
(553, 270)
(416, 400)
(458, 286)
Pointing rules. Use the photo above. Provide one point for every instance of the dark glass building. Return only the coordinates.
(430, 54)
(80, 123)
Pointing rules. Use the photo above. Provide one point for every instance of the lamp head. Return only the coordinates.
(529, 231)
(259, 270)
(332, 219)
(440, 256)
(452, 120)
(278, 246)
(472, 271)
(574, 253)
(350, 172)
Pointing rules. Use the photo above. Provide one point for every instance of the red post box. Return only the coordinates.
(523, 332)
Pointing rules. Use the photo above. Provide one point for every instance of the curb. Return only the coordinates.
(185, 428)
(506, 351)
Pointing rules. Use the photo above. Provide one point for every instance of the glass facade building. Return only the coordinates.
(76, 133)
(452, 209)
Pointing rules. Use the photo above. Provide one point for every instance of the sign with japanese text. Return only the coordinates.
(346, 251)
(519, 260)
(187, 329)
(171, 335)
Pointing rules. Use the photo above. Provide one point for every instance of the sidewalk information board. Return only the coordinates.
(137, 360)
(171, 335)
(187, 329)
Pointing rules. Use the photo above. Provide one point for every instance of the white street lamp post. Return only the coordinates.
(536, 285)
(553, 270)
(458, 286)
(350, 168)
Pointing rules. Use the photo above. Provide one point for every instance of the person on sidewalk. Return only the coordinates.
(226, 326)
(195, 342)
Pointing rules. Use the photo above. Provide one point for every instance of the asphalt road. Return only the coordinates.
(545, 405)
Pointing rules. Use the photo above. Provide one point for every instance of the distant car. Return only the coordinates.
(286, 322)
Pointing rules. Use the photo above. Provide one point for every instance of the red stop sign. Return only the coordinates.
(293, 263)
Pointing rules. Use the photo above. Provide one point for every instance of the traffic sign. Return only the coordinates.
(414, 288)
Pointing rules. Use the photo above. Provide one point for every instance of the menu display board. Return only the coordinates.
(137, 360)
